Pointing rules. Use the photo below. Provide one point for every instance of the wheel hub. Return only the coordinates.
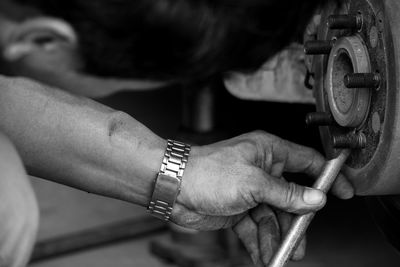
(354, 66)
(348, 106)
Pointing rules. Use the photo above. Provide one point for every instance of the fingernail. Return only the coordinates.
(313, 196)
(348, 194)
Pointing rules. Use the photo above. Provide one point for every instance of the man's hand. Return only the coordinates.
(238, 183)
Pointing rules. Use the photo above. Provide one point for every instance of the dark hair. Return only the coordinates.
(180, 39)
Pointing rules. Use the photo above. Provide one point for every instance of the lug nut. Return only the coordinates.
(340, 22)
(362, 80)
(351, 140)
(319, 119)
(318, 47)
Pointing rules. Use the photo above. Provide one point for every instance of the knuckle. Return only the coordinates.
(259, 133)
(248, 145)
(291, 197)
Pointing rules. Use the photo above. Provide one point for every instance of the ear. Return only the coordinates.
(41, 34)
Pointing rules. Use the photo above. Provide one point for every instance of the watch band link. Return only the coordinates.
(168, 182)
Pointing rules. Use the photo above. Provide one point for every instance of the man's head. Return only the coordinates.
(178, 39)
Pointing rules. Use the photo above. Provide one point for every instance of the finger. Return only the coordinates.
(342, 188)
(268, 231)
(246, 230)
(277, 169)
(285, 222)
(297, 158)
(286, 196)
(269, 237)
(193, 220)
(300, 252)
(291, 157)
(309, 161)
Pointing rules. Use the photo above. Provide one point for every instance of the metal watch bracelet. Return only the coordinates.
(168, 182)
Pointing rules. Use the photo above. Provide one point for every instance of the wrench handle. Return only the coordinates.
(301, 222)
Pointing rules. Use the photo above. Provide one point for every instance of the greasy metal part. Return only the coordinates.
(100, 236)
(318, 47)
(362, 80)
(348, 107)
(338, 22)
(350, 140)
(301, 222)
(374, 169)
(319, 119)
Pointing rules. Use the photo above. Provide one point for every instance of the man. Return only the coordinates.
(72, 140)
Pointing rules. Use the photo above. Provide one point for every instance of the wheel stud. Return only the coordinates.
(319, 119)
(351, 140)
(362, 80)
(318, 47)
(340, 22)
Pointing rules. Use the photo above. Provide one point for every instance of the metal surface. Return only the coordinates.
(317, 47)
(362, 80)
(374, 169)
(350, 140)
(348, 107)
(337, 22)
(168, 182)
(301, 222)
(319, 119)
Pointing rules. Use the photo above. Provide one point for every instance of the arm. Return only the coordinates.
(78, 142)
(234, 183)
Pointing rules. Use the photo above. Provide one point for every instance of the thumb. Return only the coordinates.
(289, 197)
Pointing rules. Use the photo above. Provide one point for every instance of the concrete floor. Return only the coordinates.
(342, 234)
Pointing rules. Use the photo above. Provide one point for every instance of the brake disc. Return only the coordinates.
(355, 65)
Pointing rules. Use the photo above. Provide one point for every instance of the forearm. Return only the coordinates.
(78, 142)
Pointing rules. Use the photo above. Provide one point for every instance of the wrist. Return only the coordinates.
(150, 157)
(189, 176)
(167, 184)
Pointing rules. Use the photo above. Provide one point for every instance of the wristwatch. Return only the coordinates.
(168, 182)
